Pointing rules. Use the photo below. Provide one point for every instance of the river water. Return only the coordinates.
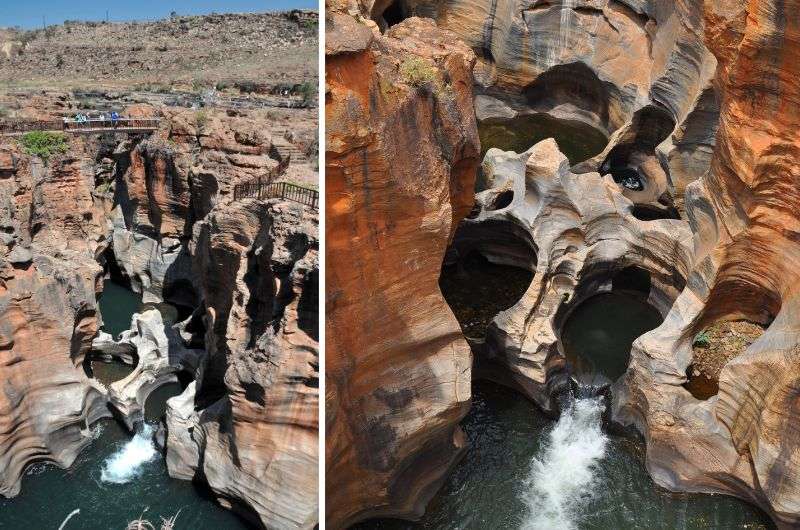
(576, 140)
(118, 477)
(524, 471)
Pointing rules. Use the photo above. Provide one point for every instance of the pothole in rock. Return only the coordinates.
(578, 141)
(488, 268)
(388, 15)
(117, 304)
(155, 407)
(596, 335)
(712, 349)
(647, 212)
(107, 369)
(503, 200)
(477, 290)
(628, 177)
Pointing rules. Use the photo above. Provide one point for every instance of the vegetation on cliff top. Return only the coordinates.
(44, 144)
(417, 72)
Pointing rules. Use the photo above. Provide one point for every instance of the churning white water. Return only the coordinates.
(563, 476)
(127, 462)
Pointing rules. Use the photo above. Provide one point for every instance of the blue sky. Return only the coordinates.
(28, 13)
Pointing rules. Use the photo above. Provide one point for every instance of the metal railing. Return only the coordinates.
(262, 190)
(72, 125)
(92, 124)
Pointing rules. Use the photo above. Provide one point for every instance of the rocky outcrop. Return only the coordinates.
(169, 181)
(698, 101)
(744, 217)
(160, 355)
(48, 315)
(249, 425)
(402, 151)
(563, 69)
(578, 234)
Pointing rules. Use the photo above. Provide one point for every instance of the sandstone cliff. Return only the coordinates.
(248, 426)
(130, 206)
(745, 218)
(402, 151)
(48, 313)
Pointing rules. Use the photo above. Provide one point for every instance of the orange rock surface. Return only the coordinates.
(402, 153)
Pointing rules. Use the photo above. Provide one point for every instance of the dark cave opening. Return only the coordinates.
(648, 212)
(487, 269)
(503, 200)
(573, 83)
(394, 14)
(183, 295)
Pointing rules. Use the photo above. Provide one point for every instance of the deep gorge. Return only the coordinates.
(125, 263)
(588, 273)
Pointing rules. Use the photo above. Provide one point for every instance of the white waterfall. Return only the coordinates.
(562, 477)
(127, 462)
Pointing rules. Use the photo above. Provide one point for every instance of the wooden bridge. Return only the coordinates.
(88, 126)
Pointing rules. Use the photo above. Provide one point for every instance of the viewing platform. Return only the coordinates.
(88, 126)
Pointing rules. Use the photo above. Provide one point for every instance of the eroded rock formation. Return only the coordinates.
(49, 226)
(745, 221)
(402, 151)
(169, 181)
(248, 426)
(698, 101)
(159, 353)
(128, 206)
(577, 232)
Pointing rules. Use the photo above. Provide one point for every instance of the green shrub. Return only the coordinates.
(201, 118)
(4, 112)
(417, 72)
(44, 144)
(308, 90)
(702, 339)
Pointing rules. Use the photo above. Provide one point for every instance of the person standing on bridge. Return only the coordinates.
(114, 119)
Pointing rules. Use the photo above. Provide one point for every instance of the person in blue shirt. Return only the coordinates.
(114, 118)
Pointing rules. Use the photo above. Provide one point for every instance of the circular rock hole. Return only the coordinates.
(502, 200)
(598, 334)
(488, 268)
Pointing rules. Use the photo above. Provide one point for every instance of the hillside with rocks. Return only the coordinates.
(261, 49)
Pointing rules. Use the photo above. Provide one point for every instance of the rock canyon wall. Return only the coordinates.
(157, 212)
(398, 369)
(248, 426)
(744, 214)
(695, 187)
(48, 312)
